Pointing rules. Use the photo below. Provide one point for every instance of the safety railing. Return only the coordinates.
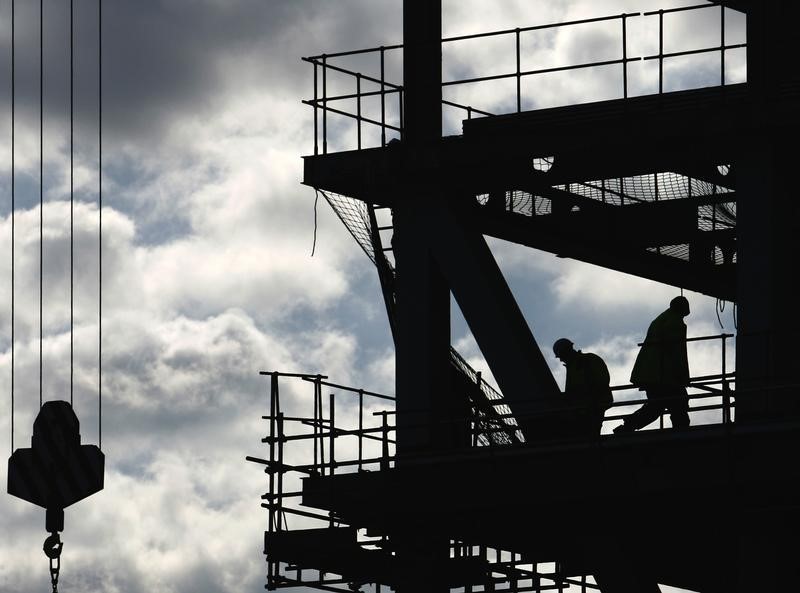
(717, 387)
(389, 118)
(721, 48)
(365, 421)
(353, 430)
(344, 415)
(365, 418)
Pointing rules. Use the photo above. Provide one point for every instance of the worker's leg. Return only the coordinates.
(679, 407)
(650, 411)
(595, 424)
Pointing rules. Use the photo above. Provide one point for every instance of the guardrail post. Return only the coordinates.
(358, 107)
(385, 442)
(726, 391)
(383, 97)
(519, 73)
(273, 408)
(726, 402)
(722, 45)
(317, 419)
(624, 55)
(278, 501)
(316, 112)
(660, 51)
(332, 437)
(324, 104)
(400, 109)
(320, 433)
(360, 429)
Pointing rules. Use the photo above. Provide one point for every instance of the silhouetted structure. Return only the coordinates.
(691, 188)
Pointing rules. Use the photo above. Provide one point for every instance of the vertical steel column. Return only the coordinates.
(422, 69)
(422, 295)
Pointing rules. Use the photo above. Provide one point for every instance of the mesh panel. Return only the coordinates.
(491, 395)
(355, 216)
(679, 251)
(521, 202)
(621, 191)
(644, 188)
(711, 217)
(640, 189)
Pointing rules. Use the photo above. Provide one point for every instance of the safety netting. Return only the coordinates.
(712, 215)
(355, 216)
(494, 422)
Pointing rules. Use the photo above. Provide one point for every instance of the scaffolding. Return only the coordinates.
(352, 430)
(641, 174)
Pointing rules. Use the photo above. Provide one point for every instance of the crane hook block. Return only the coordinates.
(57, 470)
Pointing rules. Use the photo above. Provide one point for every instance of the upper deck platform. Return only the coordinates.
(651, 147)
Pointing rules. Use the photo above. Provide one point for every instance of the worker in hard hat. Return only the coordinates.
(661, 370)
(587, 387)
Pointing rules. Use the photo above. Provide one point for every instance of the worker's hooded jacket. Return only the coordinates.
(662, 359)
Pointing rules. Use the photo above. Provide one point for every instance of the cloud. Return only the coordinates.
(585, 285)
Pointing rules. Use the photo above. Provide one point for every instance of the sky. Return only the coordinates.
(216, 264)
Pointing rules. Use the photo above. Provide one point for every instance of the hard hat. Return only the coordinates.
(680, 304)
(561, 346)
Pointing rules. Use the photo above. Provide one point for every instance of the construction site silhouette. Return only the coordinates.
(452, 483)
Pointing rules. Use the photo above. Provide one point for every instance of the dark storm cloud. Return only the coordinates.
(164, 61)
(169, 60)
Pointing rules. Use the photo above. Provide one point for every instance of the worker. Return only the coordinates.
(661, 370)
(586, 387)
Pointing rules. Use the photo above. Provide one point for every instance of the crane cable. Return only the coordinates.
(41, 213)
(13, 204)
(100, 223)
(41, 191)
(71, 204)
(53, 546)
(720, 309)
